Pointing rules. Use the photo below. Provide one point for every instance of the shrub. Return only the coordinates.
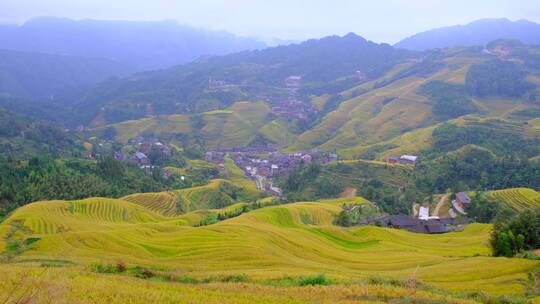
(143, 273)
(184, 280)
(318, 279)
(236, 278)
(121, 266)
(101, 268)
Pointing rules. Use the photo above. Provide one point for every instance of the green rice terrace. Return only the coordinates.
(258, 248)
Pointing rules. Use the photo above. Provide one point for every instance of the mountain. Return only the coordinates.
(399, 106)
(143, 45)
(42, 76)
(321, 66)
(479, 32)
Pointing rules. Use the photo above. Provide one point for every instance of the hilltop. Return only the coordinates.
(479, 32)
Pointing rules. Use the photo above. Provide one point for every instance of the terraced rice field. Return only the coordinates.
(518, 198)
(211, 196)
(265, 244)
(163, 203)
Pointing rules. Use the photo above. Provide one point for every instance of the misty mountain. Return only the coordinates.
(479, 32)
(42, 76)
(325, 65)
(143, 45)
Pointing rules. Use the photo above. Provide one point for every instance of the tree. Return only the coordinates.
(483, 210)
(344, 219)
(515, 234)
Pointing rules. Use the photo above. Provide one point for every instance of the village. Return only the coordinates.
(263, 166)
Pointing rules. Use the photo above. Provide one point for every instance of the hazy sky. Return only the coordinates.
(378, 20)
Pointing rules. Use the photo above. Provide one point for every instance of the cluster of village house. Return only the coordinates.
(289, 108)
(140, 156)
(273, 164)
(292, 108)
(423, 222)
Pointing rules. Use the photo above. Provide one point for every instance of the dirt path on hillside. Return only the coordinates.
(441, 202)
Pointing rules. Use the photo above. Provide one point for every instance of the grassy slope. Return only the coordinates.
(57, 285)
(235, 126)
(295, 239)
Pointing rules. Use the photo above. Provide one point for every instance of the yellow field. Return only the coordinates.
(265, 244)
(55, 285)
(518, 198)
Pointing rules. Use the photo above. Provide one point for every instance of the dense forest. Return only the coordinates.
(45, 178)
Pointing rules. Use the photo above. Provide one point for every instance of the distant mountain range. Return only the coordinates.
(479, 32)
(41, 76)
(142, 45)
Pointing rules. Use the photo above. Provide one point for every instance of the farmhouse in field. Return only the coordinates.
(403, 159)
(460, 202)
(408, 159)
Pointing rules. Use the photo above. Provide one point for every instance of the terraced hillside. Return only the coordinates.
(518, 198)
(390, 114)
(264, 244)
(217, 194)
(163, 203)
(235, 126)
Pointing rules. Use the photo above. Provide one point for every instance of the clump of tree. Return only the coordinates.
(307, 183)
(496, 78)
(448, 100)
(355, 215)
(513, 234)
(483, 210)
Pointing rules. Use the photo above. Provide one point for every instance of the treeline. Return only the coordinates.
(390, 187)
(22, 182)
(448, 100)
(476, 168)
(477, 157)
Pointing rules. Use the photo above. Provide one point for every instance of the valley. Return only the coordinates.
(163, 163)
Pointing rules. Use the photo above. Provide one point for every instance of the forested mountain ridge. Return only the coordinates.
(142, 45)
(329, 64)
(479, 32)
(42, 76)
